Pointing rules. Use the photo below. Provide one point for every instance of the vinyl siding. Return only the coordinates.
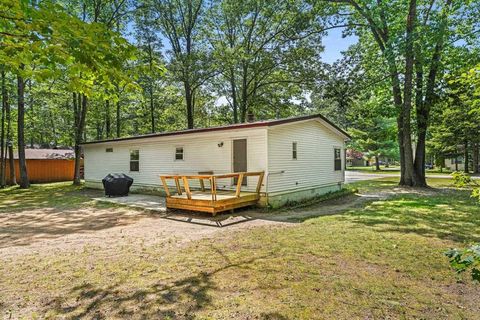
(314, 165)
(157, 156)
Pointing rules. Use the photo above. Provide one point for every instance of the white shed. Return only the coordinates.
(302, 157)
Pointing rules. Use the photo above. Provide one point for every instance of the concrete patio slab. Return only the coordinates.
(157, 204)
(141, 201)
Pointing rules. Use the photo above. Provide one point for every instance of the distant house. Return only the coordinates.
(356, 159)
(46, 165)
(455, 163)
(302, 157)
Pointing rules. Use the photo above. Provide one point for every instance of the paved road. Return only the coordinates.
(353, 176)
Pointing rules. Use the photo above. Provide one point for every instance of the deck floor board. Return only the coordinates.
(207, 196)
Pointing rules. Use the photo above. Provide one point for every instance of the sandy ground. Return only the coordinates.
(43, 232)
(48, 230)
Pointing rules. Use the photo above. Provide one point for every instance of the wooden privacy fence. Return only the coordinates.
(45, 170)
(212, 199)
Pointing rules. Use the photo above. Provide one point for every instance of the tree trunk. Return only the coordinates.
(233, 90)
(410, 176)
(107, 119)
(11, 165)
(152, 109)
(189, 103)
(423, 108)
(422, 123)
(475, 157)
(9, 150)
(466, 161)
(377, 163)
(119, 120)
(24, 183)
(3, 154)
(244, 92)
(80, 109)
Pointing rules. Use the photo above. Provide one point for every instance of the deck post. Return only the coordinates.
(165, 186)
(187, 188)
(179, 188)
(214, 188)
(239, 185)
(202, 185)
(200, 201)
(260, 180)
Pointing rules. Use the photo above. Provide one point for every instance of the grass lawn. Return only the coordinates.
(396, 170)
(381, 258)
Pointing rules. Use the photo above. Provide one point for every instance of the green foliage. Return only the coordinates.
(466, 259)
(461, 179)
(476, 194)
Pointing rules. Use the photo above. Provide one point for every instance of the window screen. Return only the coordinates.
(338, 159)
(294, 150)
(109, 150)
(134, 160)
(179, 153)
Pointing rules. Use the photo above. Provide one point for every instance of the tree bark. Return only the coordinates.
(11, 165)
(9, 147)
(108, 122)
(475, 160)
(244, 102)
(233, 90)
(80, 108)
(422, 122)
(410, 178)
(152, 109)
(3, 154)
(377, 163)
(190, 104)
(24, 183)
(466, 161)
(119, 120)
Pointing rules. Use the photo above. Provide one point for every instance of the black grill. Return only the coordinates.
(117, 184)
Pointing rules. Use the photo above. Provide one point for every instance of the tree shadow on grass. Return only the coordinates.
(180, 299)
(449, 215)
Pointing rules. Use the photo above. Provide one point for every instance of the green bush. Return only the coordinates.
(466, 259)
(462, 180)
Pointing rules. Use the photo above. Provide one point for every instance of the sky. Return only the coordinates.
(335, 44)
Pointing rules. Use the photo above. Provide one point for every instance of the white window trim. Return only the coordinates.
(342, 167)
(130, 160)
(296, 150)
(175, 154)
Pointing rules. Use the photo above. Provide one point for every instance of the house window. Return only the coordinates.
(109, 150)
(294, 150)
(179, 153)
(134, 160)
(338, 159)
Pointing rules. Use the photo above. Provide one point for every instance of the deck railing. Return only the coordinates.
(212, 178)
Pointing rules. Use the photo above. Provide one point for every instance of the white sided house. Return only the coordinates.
(301, 157)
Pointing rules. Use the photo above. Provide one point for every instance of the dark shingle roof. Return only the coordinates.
(266, 123)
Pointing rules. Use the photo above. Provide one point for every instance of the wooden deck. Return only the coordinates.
(210, 199)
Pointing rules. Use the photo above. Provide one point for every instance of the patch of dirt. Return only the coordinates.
(44, 231)
(47, 230)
